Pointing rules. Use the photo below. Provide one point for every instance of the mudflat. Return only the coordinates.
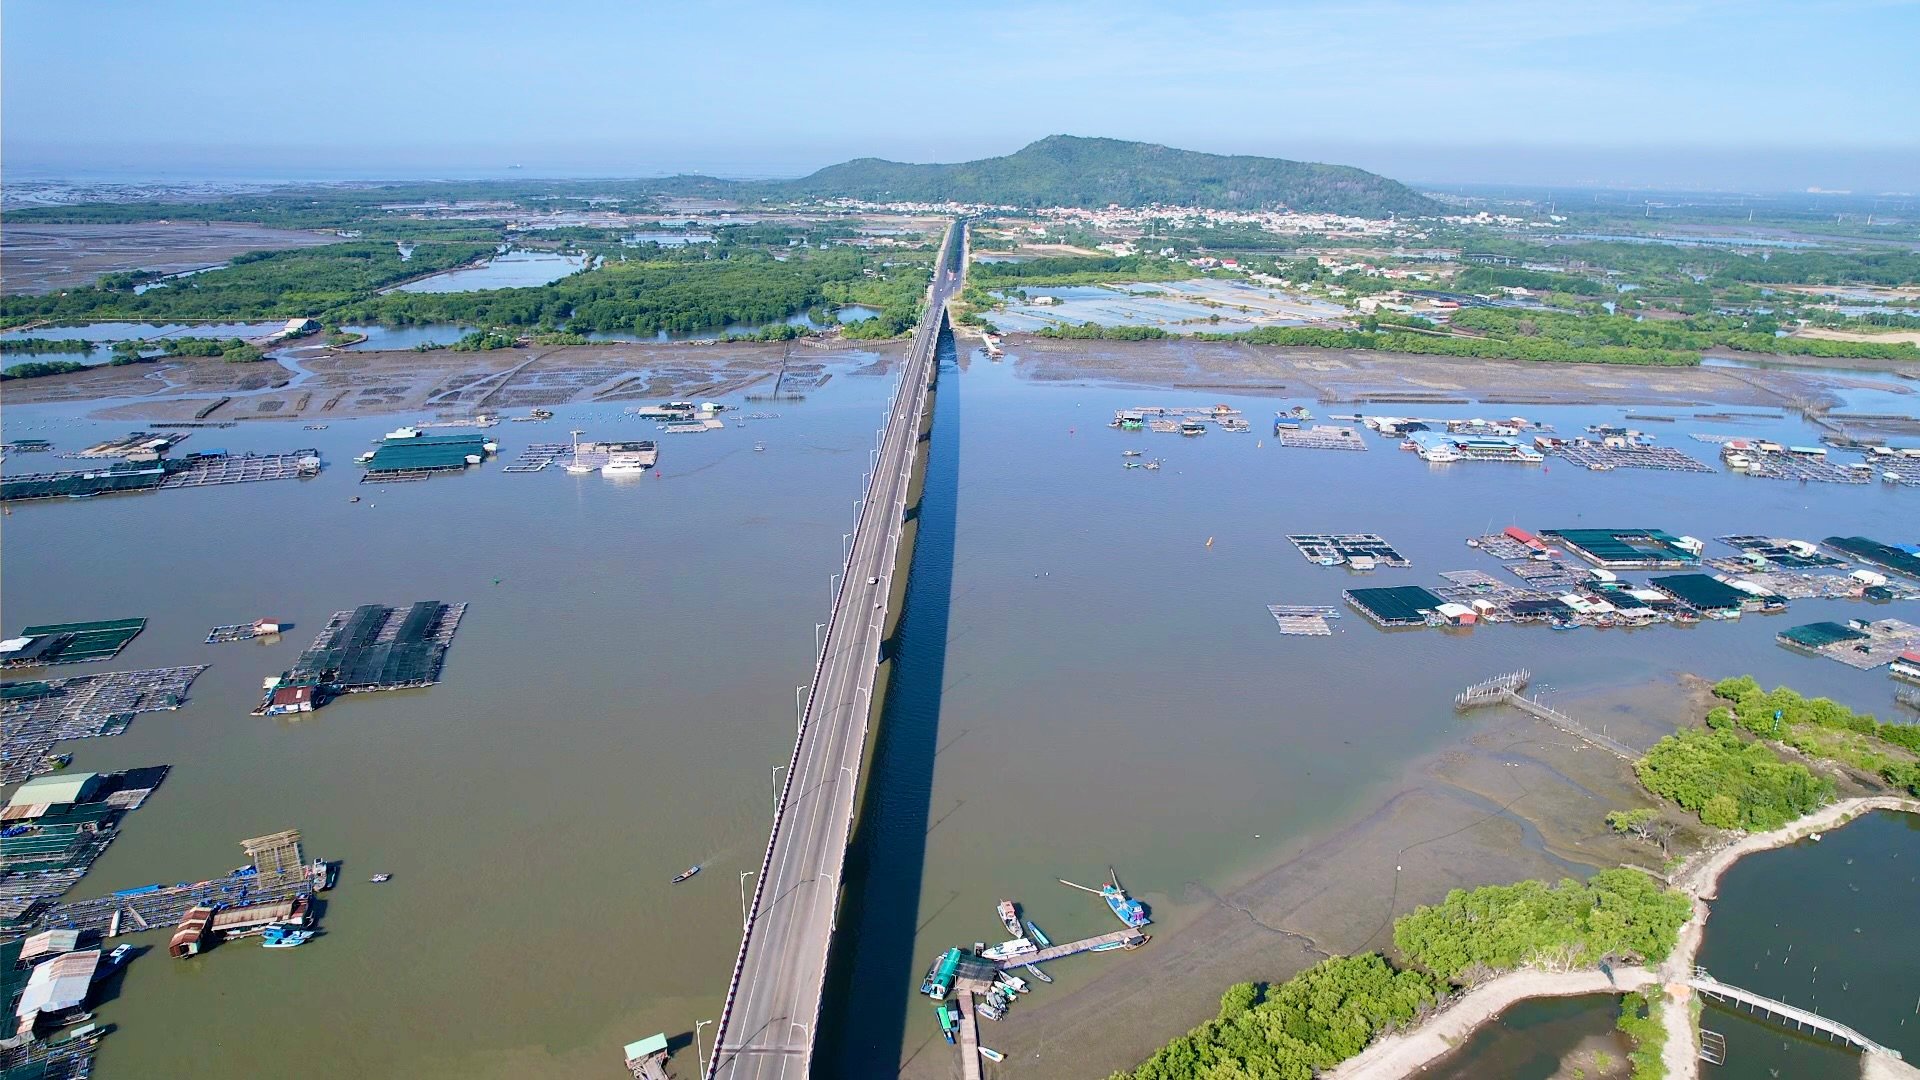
(38, 258)
(1510, 798)
(1345, 375)
(318, 383)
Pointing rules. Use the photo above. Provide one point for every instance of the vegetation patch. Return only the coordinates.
(1729, 782)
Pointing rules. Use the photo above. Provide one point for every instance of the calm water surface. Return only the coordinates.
(1110, 690)
(512, 270)
(1533, 1039)
(1828, 926)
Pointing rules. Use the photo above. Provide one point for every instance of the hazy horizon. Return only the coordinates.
(1683, 96)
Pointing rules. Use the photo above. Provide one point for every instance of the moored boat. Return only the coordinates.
(284, 937)
(1008, 950)
(1038, 935)
(1009, 917)
(1125, 908)
(946, 1021)
(990, 1053)
(1034, 970)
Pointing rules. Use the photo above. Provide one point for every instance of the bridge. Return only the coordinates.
(766, 1026)
(1780, 1010)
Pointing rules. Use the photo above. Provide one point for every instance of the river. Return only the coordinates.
(1090, 684)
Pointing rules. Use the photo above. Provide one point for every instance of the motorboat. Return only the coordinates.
(685, 874)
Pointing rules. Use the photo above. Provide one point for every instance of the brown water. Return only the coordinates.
(1113, 692)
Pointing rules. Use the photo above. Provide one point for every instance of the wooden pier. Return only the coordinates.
(969, 1036)
(1801, 1019)
(1131, 939)
(1493, 691)
(1505, 690)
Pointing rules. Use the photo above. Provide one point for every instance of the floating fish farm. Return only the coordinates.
(69, 643)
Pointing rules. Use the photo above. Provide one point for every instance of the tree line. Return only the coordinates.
(1333, 1010)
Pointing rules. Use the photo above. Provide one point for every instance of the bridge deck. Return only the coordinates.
(772, 1005)
(1711, 986)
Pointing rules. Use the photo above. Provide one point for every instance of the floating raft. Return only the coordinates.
(1303, 620)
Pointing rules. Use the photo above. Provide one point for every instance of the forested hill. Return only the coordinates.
(1064, 170)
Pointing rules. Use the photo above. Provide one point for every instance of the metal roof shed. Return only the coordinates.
(48, 943)
(59, 984)
(59, 788)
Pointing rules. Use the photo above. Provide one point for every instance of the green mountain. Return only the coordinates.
(1064, 170)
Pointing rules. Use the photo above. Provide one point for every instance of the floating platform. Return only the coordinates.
(276, 871)
(1858, 643)
(1303, 620)
(51, 850)
(1607, 458)
(1405, 605)
(1885, 556)
(1625, 549)
(36, 715)
(204, 470)
(69, 643)
(1347, 548)
(369, 648)
(1320, 437)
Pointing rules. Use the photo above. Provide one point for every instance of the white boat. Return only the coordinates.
(990, 1053)
(1007, 950)
(404, 433)
(622, 468)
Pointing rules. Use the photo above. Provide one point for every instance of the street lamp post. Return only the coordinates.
(774, 781)
(817, 627)
(799, 708)
(744, 875)
(699, 1047)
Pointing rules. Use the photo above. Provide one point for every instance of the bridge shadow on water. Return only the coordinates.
(872, 971)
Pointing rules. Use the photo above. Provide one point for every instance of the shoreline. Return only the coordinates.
(616, 370)
(1400, 1054)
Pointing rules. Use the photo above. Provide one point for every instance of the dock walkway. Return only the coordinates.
(1074, 948)
(1780, 1010)
(969, 1037)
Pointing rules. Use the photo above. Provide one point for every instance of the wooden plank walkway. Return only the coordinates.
(969, 1037)
(1072, 948)
(1799, 1017)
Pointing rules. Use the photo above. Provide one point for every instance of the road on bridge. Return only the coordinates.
(766, 1028)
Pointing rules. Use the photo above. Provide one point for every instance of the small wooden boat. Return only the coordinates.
(685, 874)
(990, 1053)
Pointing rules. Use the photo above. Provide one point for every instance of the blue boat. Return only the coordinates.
(1038, 935)
(1125, 908)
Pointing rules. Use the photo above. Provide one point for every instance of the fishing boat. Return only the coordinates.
(1129, 944)
(284, 937)
(1010, 917)
(1008, 950)
(1038, 935)
(381, 879)
(1125, 908)
(946, 1021)
(990, 1053)
(759, 448)
(321, 873)
(1015, 983)
(685, 874)
(989, 1010)
(1131, 453)
(1034, 970)
(119, 955)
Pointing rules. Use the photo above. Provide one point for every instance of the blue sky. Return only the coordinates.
(1748, 95)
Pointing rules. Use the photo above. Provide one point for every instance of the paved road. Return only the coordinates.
(767, 1029)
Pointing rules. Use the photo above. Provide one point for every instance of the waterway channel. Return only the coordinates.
(1109, 690)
